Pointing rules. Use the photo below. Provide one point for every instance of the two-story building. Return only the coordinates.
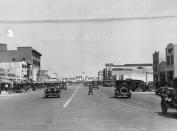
(27, 54)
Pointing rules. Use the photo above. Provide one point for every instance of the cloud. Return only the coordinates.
(10, 33)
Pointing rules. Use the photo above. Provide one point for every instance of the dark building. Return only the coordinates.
(27, 54)
(165, 72)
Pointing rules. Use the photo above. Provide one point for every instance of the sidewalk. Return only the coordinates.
(4, 93)
(146, 92)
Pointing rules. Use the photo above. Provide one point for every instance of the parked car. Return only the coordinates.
(53, 90)
(168, 100)
(95, 84)
(162, 90)
(108, 83)
(63, 86)
(122, 88)
(18, 88)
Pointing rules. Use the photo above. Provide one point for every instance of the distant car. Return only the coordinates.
(63, 86)
(95, 84)
(18, 89)
(52, 91)
(168, 99)
(108, 83)
(122, 88)
(162, 90)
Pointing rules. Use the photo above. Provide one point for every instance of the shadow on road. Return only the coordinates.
(118, 97)
(168, 115)
(50, 97)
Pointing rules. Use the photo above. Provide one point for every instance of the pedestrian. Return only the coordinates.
(6, 87)
(0, 88)
(90, 89)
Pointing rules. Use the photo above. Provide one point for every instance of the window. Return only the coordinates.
(168, 60)
(23, 59)
(170, 50)
(172, 59)
(13, 59)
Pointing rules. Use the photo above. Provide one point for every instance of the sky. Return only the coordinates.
(73, 48)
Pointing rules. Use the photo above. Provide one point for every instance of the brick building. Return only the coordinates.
(27, 54)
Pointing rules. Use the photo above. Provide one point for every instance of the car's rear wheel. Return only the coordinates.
(164, 107)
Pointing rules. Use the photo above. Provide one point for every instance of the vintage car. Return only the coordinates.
(95, 84)
(53, 91)
(168, 99)
(138, 85)
(108, 83)
(63, 85)
(160, 90)
(122, 88)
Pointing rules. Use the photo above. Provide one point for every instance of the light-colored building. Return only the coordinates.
(100, 76)
(6, 76)
(44, 76)
(17, 68)
(129, 71)
(165, 71)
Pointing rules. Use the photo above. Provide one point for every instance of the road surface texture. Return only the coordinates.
(77, 111)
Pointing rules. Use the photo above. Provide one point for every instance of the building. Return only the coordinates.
(6, 76)
(53, 77)
(159, 68)
(128, 71)
(27, 54)
(79, 78)
(44, 76)
(100, 76)
(17, 68)
(165, 72)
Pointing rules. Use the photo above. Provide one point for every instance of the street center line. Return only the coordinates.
(66, 104)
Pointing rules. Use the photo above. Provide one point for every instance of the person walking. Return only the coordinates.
(6, 87)
(90, 89)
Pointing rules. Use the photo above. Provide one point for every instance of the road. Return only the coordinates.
(77, 111)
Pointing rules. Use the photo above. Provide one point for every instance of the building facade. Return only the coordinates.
(44, 76)
(165, 71)
(6, 76)
(17, 68)
(27, 54)
(100, 76)
(128, 71)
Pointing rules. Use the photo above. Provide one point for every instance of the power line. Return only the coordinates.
(85, 20)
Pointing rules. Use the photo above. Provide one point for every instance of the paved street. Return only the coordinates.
(77, 111)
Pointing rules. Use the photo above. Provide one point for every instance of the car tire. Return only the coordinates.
(164, 107)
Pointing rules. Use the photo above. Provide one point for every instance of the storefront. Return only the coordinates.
(6, 79)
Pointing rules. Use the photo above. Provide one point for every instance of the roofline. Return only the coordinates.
(36, 52)
(31, 49)
(125, 65)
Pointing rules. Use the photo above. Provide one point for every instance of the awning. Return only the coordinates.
(25, 81)
(6, 81)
